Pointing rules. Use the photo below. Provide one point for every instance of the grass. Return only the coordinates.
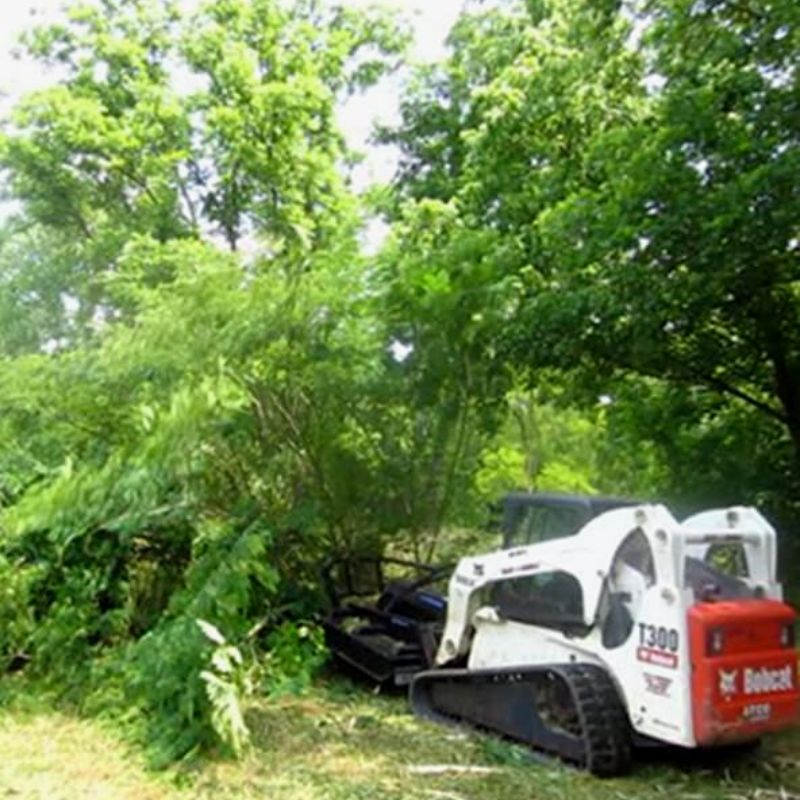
(342, 743)
(50, 756)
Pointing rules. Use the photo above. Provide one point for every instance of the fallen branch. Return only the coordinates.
(441, 769)
(443, 795)
(774, 794)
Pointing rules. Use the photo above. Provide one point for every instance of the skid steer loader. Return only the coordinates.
(634, 629)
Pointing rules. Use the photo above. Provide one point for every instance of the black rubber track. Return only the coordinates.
(606, 731)
(505, 702)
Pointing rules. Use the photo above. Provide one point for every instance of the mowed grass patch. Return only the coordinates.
(47, 755)
(340, 742)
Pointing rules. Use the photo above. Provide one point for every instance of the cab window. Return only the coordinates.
(728, 558)
(538, 523)
(550, 599)
(721, 574)
(631, 574)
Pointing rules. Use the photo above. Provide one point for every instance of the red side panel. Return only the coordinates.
(744, 669)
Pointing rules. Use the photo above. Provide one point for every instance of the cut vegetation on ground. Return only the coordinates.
(341, 743)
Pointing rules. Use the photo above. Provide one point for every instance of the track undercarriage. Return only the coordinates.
(572, 712)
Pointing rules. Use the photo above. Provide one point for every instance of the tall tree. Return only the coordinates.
(688, 262)
(630, 180)
(218, 126)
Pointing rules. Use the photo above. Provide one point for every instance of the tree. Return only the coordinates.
(218, 126)
(196, 428)
(688, 252)
(633, 202)
(187, 430)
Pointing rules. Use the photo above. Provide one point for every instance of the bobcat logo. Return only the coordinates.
(727, 682)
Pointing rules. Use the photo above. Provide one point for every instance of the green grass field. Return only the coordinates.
(342, 743)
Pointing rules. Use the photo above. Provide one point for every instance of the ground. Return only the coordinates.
(342, 743)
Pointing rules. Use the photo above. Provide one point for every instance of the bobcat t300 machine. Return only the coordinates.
(634, 628)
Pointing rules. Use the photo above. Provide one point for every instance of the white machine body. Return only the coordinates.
(624, 577)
